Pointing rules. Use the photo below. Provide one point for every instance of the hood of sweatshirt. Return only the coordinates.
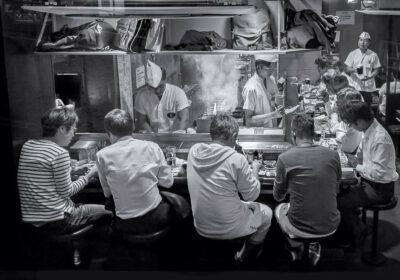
(204, 157)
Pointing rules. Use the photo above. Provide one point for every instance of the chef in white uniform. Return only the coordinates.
(160, 106)
(363, 65)
(259, 93)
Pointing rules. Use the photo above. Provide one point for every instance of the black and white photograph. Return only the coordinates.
(200, 138)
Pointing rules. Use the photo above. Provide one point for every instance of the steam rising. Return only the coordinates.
(218, 79)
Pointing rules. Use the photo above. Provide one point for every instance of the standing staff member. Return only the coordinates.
(259, 93)
(363, 65)
(161, 107)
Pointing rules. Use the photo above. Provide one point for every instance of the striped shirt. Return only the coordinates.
(44, 182)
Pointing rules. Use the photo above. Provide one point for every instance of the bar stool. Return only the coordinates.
(76, 241)
(374, 257)
(213, 253)
(66, 250)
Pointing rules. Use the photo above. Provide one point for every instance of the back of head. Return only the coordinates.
(347, 94)
(303, 126)
(335, 81)
(223, 127)
(118, 122)
(354, 110)
(54, 118)
(322, 62)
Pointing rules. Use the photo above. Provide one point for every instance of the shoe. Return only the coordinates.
(314, 253)
(247, 253)
(295, 253)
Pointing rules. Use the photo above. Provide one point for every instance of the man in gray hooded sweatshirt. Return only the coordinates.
(216, 175)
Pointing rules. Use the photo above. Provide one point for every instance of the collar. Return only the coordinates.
(371, 128)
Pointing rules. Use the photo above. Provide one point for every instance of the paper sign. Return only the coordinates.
(140, 77)
(345, 17)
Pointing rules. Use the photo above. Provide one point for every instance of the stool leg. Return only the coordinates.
(306, 252)
(76, 254)
(374, 257)
(364, 216)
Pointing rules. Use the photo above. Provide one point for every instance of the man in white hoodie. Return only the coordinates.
(217, 174)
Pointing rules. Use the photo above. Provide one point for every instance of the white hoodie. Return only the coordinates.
(216, 175)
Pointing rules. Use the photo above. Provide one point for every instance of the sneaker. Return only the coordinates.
(295, 253)
(248, 253)
(314, 253)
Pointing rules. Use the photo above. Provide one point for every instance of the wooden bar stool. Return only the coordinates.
(374, 257)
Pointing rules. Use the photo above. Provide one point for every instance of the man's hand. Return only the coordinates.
(256, 165)
(352, 160)
(92, 172)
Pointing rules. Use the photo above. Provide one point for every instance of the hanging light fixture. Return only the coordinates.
(352, 1)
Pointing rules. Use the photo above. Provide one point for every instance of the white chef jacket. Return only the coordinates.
(162, 113)
(257, 97)
(370, 61)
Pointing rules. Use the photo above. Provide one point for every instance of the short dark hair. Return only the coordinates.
(223, 126)
(118, 122)
(303, 126)
(54, 118)
(335, 81)
(346, 95)
(354, 110)
(322, 62)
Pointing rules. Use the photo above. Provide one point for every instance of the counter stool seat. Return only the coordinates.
(72, 236)
(215, 252)
(374, 257)
(147, 239)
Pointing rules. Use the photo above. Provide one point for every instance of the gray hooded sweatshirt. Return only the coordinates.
(216, 175)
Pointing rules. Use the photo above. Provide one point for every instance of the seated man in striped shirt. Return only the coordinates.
(44, 178)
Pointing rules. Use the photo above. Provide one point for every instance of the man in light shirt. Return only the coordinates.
(375, 162)
(259, 93)
(160, 106)
(130, 171)
(363, 65)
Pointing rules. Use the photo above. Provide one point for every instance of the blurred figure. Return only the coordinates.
(394, 87)
(44, 178)
(218, 177)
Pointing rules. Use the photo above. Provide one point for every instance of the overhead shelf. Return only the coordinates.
(153, 12)
(227, 51)
(380, 12)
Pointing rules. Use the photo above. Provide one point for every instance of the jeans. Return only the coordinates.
(82, 215)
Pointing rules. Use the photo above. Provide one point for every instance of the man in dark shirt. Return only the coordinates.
(310, 174)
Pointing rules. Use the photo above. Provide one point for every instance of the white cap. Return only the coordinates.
(365, 35)
(267, 57)
(154, 74)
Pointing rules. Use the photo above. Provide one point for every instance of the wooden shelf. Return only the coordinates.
(178, 52)
(380, 12)
(153, 12)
